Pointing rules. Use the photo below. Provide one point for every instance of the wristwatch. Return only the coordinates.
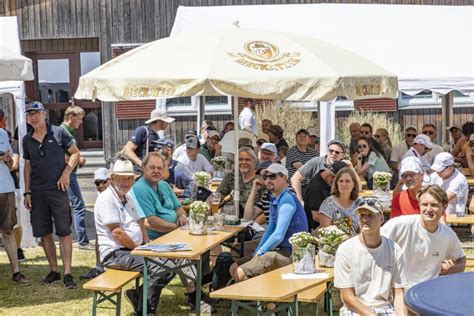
(26, 193)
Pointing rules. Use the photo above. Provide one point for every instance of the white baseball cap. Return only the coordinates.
(101, 174)
(269, 146)
(441, 161)
(159, 114)
(276, 168)
(410, 164)
(424, 140)
(123, 168)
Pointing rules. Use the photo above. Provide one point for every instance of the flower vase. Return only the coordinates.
(326, 259)
(382, 190)
(219, 173)
(303, 259)
(197, 223)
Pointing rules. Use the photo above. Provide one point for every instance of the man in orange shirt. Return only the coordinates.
(404, 200)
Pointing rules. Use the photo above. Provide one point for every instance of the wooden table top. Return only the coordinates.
(370, 193)
(466, 219)
(470, 180)
(198, 244)
(270, 286)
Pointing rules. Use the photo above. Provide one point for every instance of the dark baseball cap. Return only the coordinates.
(34, 106)
(166, 142)
(302, 130)
(336, 166)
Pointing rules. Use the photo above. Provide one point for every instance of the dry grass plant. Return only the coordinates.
(290, 116)
(377, 120)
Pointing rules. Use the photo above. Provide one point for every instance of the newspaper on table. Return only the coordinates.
(165, 247)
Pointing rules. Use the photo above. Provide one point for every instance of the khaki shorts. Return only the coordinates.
(265, 263)
(7, 211)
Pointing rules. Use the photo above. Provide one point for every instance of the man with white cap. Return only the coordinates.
(429, 247)
(404, 200)
(287, 217)
(267, 152)
(421, 146)
(144, 138)
(120, 230)
(193, 159)
(102, 182)
(453, 182)
(369, 268)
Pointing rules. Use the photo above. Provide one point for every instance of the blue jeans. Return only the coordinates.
(78, 209)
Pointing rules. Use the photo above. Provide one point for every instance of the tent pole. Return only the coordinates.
(447, 114)
(235, 101)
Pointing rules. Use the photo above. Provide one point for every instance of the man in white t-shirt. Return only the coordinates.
(430, 248)
(247, 119)
(453, 182)
(193, 159)
(120, 230)
(421, 146)
(369, 268)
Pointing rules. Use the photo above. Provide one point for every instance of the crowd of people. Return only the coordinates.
(284, 189)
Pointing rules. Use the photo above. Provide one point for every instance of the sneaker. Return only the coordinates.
(92, 273)
(88, 246)
(131, 296)
(21, 279)
(52, 277)
(21, 255)
(69, 282)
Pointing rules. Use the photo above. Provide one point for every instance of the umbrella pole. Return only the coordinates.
(235, 101)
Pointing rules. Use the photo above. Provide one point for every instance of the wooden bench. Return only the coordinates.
(312, 296)
(469, 262)
(110, 284)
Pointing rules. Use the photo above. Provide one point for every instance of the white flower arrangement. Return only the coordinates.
(331, 237)
(202, 178)
(199, 207)
(219, 162)
(382, 178)
(302, 239)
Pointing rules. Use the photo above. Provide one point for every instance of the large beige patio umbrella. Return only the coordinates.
(14, 67)
(238, 62)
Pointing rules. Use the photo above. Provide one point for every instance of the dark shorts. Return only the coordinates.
(7, 211)
(48, 207)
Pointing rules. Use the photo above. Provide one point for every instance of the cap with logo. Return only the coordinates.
(441, 161)
(101, 174)
(369, 204)
(276, 168)
(192, 142)
(410, 164)
(424, 140)
(270, 147)
(159, 114)
(123, 168)
(34, 106)
(338, 143)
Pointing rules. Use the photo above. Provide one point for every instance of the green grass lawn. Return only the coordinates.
(54, 299)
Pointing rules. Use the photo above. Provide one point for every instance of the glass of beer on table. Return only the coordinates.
(215, 202)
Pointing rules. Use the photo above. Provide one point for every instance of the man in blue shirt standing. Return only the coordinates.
(287, 216)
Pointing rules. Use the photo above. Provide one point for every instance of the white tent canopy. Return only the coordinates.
(427, 47)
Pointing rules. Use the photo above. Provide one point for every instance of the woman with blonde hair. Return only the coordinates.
(343, 200)
(383, 139)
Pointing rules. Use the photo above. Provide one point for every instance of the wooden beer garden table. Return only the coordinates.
(270, 287)
(198, 244)
(467, 219)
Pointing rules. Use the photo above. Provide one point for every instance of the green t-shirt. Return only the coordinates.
(150, 202)
(227, 185)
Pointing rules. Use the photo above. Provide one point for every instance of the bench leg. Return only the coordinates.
(234, 308)
(198, 286)
(119, 303)
(145, 287)
(329, 298)
(94, 304)
(294, 308)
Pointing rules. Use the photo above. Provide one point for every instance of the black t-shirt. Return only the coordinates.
(317, 191)
(139, 138)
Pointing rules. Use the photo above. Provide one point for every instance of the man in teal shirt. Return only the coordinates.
(159, 207)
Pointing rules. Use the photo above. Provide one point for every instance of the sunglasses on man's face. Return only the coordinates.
(271, 176)
(428, 132)
(411, 135)
(365, 132)
(100, 182)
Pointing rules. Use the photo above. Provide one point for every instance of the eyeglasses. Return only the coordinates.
(271, 176)
(260, 142)
(362, 146)
(216, 139)
(428, 132)
(411, 135)
(41, 151)
(365, 132)
(336, 152)
(369, 202)
(100, 182)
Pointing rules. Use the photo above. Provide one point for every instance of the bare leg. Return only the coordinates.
(18, 232)
(65, 245)
(50, 250)
(237, 273)
(11, 249)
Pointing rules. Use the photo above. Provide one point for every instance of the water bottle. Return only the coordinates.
(460, 209)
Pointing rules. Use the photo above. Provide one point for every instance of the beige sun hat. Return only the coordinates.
(159, 114)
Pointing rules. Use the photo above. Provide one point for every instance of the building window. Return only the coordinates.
(54, 85)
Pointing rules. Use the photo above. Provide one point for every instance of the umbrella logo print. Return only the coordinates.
(262, 55)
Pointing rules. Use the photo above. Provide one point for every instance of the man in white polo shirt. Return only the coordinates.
(453, 182)
(369, 268)
(430, 248)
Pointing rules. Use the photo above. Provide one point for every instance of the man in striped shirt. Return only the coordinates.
(299, 154)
